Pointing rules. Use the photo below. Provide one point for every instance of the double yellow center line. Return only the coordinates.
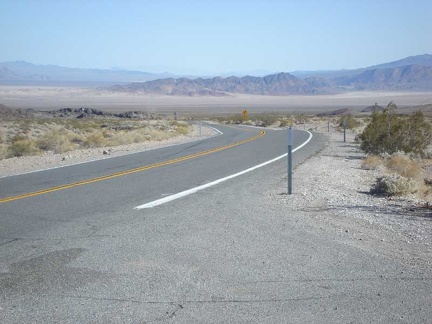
(123, 173)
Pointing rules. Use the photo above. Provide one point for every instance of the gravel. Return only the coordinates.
(332, 193)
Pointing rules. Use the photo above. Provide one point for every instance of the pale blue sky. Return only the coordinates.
(214, 36)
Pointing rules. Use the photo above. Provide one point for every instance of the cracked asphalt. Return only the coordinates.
(222, 255)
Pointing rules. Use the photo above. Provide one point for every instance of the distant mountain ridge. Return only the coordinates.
(425, 60)
(24, 71)
(411, 73)
(275, 84)
(392, 78)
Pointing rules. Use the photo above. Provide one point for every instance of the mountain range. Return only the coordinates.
(28, 73)
(412, 73)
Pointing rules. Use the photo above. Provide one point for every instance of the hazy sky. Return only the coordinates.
(214, 36)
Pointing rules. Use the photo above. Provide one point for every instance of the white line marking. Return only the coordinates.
(217, 130)
(213, 183)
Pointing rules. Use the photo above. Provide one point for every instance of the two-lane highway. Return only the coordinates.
(38, 200)
(78, 251)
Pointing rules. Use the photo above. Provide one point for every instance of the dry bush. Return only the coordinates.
(22, 147)
(159, 135)
(404, 166)
(394, 185)
(95, 139)
(403, 176)
(372, 162)
(28, 137)
(183, 129)
(286, 122)
(180, 128)
(57, 141)
(123, 137)
(3, 152)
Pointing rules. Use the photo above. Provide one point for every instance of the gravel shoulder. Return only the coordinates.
(331, 193)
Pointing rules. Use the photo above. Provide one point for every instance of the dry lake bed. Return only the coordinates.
(49, 98)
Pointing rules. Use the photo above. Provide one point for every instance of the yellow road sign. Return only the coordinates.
(245, 114)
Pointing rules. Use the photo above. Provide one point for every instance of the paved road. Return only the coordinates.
(226, 254)
(122, 183)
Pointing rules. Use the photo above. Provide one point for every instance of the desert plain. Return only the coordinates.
(53, 97)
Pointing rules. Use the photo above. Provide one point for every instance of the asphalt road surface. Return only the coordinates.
(74, 248)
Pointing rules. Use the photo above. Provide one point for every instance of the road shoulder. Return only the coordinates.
(331, 193)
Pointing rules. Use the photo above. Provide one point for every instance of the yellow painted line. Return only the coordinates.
(123, 173)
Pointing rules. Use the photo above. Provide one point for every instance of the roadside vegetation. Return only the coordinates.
(272, 119)
(400, 147)
(23, 137)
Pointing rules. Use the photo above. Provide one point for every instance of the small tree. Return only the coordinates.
(389, 133)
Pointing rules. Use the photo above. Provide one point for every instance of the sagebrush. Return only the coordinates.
(388, 133)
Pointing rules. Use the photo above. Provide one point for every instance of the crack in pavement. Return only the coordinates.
(339, 280)
(191, 301)
(10, 241)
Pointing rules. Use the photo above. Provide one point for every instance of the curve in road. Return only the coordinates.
(130, 171)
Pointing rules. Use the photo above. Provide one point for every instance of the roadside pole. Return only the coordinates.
(200, 128)
(290, 141)
(344, 126)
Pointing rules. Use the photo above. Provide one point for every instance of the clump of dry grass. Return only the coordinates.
(373, 162)
(57, 141)
(29, 137)
(394, 185)
(404, 166)
(402, 175)
(22, 147)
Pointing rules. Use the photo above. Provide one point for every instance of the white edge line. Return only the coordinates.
(113, 157)
(215, 129)
(213, 183)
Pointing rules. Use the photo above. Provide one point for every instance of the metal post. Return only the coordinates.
(328, 126)
(200, 129)
(344, 126)
(290, 141)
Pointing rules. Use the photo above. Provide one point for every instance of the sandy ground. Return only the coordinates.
(48, 98)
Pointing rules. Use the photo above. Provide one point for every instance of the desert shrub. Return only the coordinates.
(267, 119)
(94, 139)
(394, 185)
(56, 141)
(372, 162)
(236, 119)
(351, 122)
(389, 133)
(3, 152)
(301, 118)
(181, 128)
(404, 166)
(286, 122)
(21, 147)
